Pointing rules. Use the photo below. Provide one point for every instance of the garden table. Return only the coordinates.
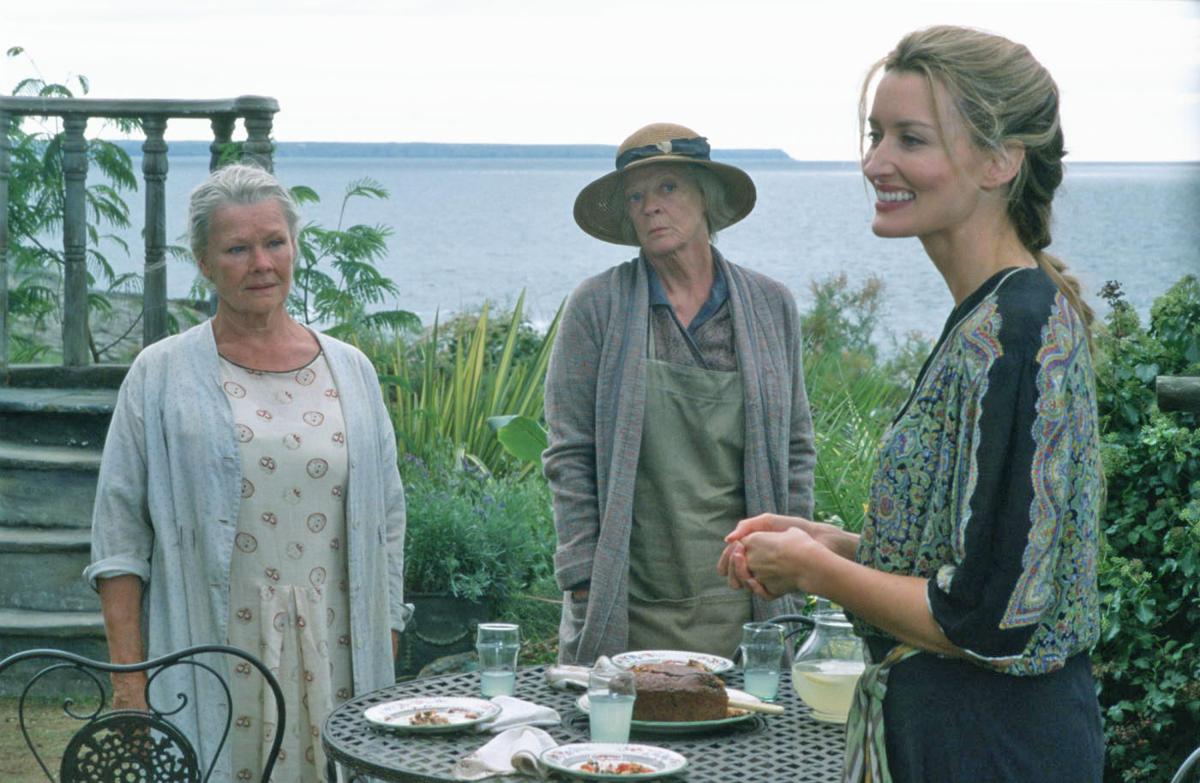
(787, 748)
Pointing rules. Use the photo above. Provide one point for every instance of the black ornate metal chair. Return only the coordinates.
(1189, 771)
(132, 746)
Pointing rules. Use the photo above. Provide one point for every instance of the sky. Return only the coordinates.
(745, 73)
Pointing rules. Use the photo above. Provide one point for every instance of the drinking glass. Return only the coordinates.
(762, 659)
(497, 645)
(610, 705)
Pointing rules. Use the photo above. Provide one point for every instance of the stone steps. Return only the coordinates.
(57, 417)
(78, 632)
(57, 557)
(50, 376)
(53, 421)
(47, 486)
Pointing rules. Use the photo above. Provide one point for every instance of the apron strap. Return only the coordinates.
(866, 749)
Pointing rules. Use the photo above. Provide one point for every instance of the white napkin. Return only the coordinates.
(511, 752)
(566, 677)
(518, 712)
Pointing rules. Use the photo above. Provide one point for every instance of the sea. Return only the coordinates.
(469, 229)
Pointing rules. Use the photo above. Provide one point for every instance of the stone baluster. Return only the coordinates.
(222, 128)
(75, 278)
(258, 139)
(154, 170)
(5, 169)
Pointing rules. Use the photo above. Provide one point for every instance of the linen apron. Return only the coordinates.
(688, 495)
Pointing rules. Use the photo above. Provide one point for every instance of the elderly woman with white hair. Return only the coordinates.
(676, 406)
(249, 495)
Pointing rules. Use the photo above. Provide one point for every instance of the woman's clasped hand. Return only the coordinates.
(773, 555)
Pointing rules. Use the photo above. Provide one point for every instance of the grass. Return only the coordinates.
(49, 728)
(852, 407)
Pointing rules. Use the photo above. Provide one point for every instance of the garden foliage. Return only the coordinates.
(470, 533)
(336, 277)
(482, 537)
(853, 395)
(37, 199)
(439, 392)
(1148, 661)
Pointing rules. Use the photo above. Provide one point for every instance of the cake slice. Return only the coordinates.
(675, 692)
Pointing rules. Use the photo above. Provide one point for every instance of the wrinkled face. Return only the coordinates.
(926, 172)
(249, 257)
(666, 208)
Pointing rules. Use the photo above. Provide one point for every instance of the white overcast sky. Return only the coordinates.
(745, 73)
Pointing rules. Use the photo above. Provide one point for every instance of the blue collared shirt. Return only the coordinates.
(717, 296)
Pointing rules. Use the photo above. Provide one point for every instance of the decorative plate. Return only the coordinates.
(714, 663)
(684, 726)
(431, 714)
(605, 761)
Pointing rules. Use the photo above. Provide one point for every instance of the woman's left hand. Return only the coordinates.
(773, 564)
(395, 644)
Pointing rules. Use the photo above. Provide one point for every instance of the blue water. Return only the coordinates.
(470, 229)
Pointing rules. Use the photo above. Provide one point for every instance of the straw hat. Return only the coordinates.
(600, 206)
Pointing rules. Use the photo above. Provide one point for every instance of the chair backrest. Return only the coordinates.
(131, 744)
(1189, 771)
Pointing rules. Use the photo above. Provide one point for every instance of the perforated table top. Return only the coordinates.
(788, 748)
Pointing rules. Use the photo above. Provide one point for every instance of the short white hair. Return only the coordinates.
(237, 183)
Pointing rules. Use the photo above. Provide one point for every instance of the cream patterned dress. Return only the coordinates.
(289, 600)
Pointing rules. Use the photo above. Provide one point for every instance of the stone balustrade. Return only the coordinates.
(256, 113)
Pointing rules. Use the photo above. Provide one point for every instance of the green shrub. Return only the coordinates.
(842, 320)
(471, 534)
(1148, 660)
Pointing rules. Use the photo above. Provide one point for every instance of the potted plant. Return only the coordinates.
(474, 542)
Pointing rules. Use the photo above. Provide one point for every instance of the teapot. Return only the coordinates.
(826, 667)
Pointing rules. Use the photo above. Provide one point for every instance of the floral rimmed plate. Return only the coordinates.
(714, 663)
(684, 726)
(604, 761)
(431, 714)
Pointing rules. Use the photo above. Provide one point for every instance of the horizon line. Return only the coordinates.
(717, 151)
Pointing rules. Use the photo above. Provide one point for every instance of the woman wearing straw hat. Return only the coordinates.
(676, 406)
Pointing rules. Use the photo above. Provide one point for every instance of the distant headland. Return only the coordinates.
(338, 149)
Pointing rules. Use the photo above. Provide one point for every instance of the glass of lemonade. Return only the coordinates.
(497, 645)
(762, 659)
(610, 705)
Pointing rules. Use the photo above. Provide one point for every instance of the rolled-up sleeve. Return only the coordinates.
(122, 534)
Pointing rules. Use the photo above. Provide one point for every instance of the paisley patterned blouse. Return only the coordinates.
(989, 481)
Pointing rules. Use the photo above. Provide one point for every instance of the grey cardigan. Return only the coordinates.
(167, 508)
(595, 402)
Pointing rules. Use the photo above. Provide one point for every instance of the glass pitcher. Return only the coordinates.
(826, 667)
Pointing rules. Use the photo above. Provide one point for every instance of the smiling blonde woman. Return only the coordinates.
(974, 580)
